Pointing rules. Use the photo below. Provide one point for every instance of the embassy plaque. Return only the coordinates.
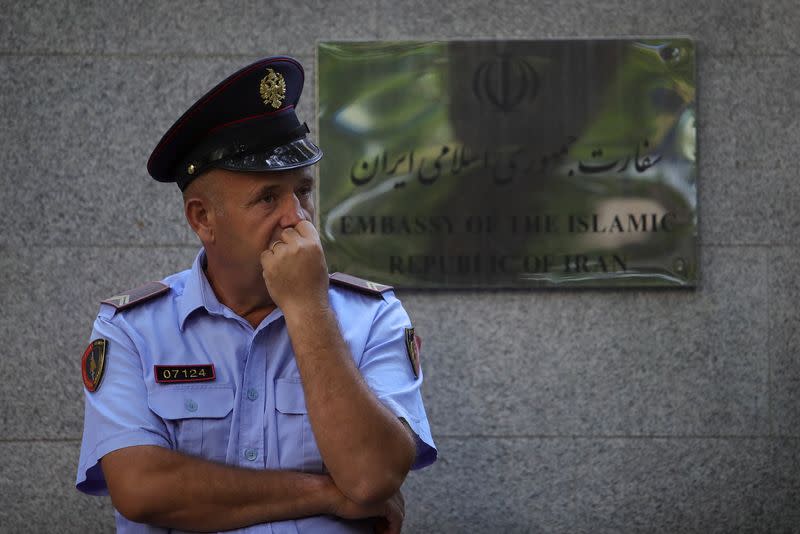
(490, 164)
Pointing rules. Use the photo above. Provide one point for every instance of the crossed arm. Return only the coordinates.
(157, 486)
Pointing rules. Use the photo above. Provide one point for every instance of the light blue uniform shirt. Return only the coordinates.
(254, 413)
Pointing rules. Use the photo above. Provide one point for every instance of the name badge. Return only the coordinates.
(175, 374)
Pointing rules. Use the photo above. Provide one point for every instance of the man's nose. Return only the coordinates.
(292, 213)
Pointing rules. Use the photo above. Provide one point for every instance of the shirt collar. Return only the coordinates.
(197, 292)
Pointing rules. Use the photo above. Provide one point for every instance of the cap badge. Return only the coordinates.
(272, 89)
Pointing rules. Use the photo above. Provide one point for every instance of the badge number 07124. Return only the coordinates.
(168, 374)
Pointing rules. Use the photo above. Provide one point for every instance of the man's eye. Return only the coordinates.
(305, 192)
(268, 199)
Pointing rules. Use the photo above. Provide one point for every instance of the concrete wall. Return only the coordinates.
(567, 411)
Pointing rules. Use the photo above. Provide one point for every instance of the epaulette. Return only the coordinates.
(365, 286)
(136, 296)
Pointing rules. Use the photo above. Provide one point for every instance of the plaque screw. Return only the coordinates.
(679, 265)
(670, 54)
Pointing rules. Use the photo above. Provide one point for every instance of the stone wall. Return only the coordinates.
(554, 411)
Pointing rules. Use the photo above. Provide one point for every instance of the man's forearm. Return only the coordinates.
(366, 448)
(170, 489)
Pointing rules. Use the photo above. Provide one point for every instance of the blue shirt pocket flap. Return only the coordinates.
(289, 396)
(185, 402)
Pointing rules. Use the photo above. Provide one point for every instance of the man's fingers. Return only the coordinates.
(305, 228)
(275, 244)
(288, 235)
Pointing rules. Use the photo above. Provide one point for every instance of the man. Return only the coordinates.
(252, 391)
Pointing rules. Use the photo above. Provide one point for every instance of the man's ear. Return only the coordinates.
(200, 215)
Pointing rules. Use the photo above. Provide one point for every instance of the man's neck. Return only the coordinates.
(250, 301)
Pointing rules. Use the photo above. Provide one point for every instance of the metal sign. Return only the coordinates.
(509, 163)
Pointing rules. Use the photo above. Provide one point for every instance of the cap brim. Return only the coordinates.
(293, 155)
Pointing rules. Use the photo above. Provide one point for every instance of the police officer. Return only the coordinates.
(252, 391)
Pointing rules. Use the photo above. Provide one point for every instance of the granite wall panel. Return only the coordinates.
(602, 362)
(555, 411)
(674, 485)
(37, 492)
(180, 29)
(50, 298)
(784, 340)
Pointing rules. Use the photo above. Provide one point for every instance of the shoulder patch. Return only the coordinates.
(93, 364)
(136, 296)
(413, 346)
(365, 286)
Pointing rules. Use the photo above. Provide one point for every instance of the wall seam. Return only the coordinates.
(770, 414)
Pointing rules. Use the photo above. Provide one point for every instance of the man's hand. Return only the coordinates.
(392, 520)
(388, 515)
(294, 269)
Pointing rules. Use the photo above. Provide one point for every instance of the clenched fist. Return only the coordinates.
(294, 269)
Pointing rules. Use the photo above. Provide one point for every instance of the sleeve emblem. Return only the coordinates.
(413, 345)
(93, 364)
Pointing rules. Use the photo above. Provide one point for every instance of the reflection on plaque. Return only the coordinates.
(509, 163)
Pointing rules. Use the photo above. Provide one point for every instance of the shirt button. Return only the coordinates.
(190, 405)
(251, 454)
(252, 394)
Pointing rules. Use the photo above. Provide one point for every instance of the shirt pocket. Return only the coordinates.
(297, 446)
(199, 417)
